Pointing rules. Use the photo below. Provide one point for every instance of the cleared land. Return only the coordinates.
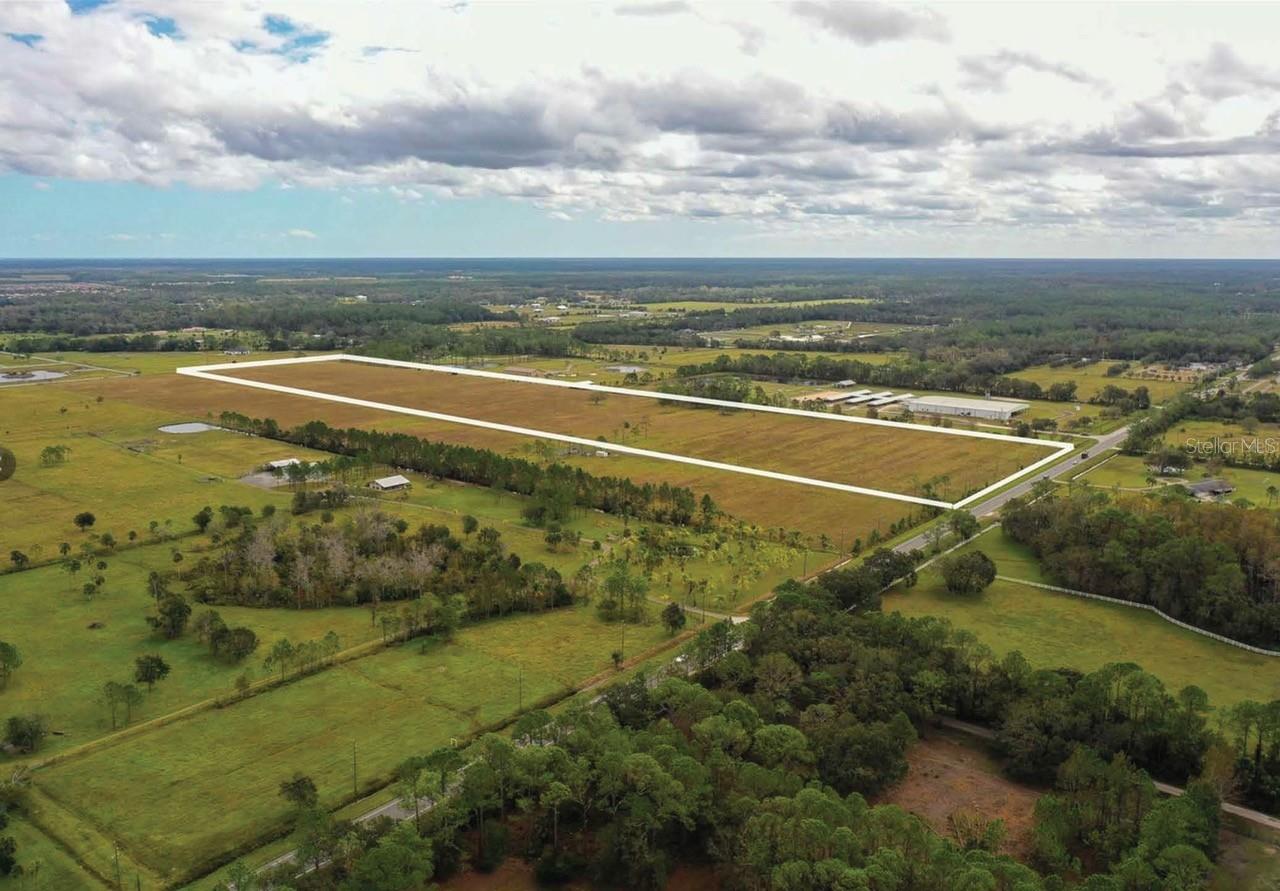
(889, 458)
(120, 467)
(1054, 630)
(950, 774)
(762, 502)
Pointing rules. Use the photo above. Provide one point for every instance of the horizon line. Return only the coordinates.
(623, 257)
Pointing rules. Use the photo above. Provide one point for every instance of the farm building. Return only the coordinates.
(992, 409)
(390, 483)
(826, 396)
(1210, 488)
(283, 463)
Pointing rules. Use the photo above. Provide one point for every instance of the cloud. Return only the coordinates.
(991, 72)
(1223, 74)
(121, 236)
(765, 121)
(667, 7)
(41, 186)
(867, 23)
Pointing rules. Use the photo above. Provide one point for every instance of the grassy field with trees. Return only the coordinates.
(1058, 629)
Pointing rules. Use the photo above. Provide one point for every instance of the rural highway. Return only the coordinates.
(995, 502)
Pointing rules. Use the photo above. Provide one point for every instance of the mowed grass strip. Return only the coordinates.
(183, 796)
(889, 458)
(1054, 630)
(44, 863)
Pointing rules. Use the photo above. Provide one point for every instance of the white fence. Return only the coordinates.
(1116, 600)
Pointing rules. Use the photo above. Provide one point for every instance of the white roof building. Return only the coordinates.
(283, 463)
(390, 483)
(957, 406)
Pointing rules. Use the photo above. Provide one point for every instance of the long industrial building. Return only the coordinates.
(958, 406)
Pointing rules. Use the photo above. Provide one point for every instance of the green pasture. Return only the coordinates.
(1132, 472)
(680, 306)
(159, 362)
(739, 570)
(120, 467)
(226, 765)
(45, 865)
(1054, 630)
(66, 662)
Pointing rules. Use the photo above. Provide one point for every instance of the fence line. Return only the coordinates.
(1146, 606)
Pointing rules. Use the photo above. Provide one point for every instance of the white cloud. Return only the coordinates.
(833, 119)
(41, 186)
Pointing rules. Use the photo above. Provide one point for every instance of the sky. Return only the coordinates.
(264, 128)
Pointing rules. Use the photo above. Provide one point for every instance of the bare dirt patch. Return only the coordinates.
(948, 774)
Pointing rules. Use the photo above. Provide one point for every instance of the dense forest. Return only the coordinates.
(971, 377)
(1211, 565)
(1001, 314)
(371, 558)
(759, 760)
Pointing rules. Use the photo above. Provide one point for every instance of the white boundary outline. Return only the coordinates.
(210, 372)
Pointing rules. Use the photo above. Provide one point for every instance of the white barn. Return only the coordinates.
(958, 406)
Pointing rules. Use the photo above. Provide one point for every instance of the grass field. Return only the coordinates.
(738, 571)
(1131, 472)
(882, 457)
(828, 328)
(761, 502)
(1231, 438)
(680, 306)
(1091, 378)
(1054, 630)
(155, 362)
(65, 662)
(45, 865)
(120, 467)
(146, 791)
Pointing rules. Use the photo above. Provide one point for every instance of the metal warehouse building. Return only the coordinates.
(992, 409)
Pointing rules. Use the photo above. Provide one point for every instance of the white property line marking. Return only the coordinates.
(209, 372)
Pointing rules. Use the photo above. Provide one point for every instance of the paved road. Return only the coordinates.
(997, 501)
(1258, 818)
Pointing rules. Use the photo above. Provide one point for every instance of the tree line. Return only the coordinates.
(371, 558)
(757, 754)
(1210, 565)
(554, 487)
(909, 373)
